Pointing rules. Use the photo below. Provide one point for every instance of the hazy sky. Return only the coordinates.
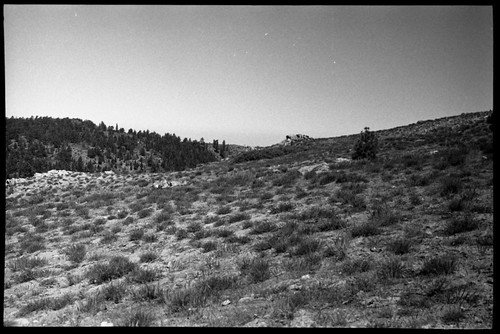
(248, 74)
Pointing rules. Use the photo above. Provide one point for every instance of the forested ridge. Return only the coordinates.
(39, 144)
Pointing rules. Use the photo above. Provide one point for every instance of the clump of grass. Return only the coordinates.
(222, 210)
(439, 265)
(24, 263)
(122, 213)
(411, 299)
(140, 275)
(383, 216)
(47, 303)
(209, 246)
(148, 256)
(450, 185)
(256, 269)
(288, 179)
(194, 227)
(200, 293)
(116, 267)
(149, 237)
(391, 268)
(338, 247)
(263, 227)
(108, 237)
(138, 318)
(453, 314)
(353, 266)
(282, 207)
(240, 240)
(31, 243)
(365, 230)
(224, 232)
(145, 213)
(307, 246)
(114, 291)
(149, 292)
(181, 233)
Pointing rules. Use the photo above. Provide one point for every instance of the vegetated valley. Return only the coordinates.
(295, 236)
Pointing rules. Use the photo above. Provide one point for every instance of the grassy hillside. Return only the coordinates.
(300, 239)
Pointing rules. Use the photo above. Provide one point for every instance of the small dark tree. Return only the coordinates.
(366, 147)
(491, 120)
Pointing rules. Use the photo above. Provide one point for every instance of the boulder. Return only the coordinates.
(302, 318)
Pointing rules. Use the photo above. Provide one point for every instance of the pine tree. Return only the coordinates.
(366, 147)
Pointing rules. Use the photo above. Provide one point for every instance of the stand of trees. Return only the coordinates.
(43, 143)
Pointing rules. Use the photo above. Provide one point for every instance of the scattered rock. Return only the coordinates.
(21, 322)
(106, 324)
(295, 287)
(226, 302)
(256, 323)
(246, 299)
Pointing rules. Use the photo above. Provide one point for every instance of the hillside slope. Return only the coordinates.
(305, 238)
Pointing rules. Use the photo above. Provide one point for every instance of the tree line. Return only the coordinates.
(38, 144)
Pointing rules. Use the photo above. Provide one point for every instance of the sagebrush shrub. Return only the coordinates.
(76, 253)
(460, 224)
(136, 234)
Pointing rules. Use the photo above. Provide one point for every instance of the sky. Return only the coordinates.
(248, 75)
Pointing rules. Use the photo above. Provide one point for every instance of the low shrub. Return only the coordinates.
(114, 291)
(464, 223)
(263, 227)
(181, 233)
(453, 314)
(148, 256)
(145, 213)
(365, 230)
(149, 237)
(27, 263)
(307, 246)
(47, 303)
(350, 267)
(282, 207)
(209, 246)
(76, 253)
(223, 210)
(136, 234)
(108, 237)
(399, 246)
(137, 318)
(256, 269)
(238, 217)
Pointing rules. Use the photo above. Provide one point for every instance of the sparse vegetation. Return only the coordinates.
(287, 235)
